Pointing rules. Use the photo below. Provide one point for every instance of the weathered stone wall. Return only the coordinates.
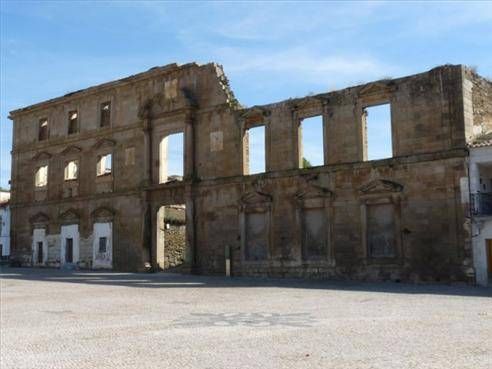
(478, 99)
(316, 222)
(431, 222)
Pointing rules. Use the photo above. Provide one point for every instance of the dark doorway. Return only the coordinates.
(69, 250)
(40, 253)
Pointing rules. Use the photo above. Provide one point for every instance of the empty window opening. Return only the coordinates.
(106, 114)
(255, 150)
(73, 122)
(104, 165)
(378, 141)
(102, 244)
(171, 236)
(171, 158)
(71, 170)
(41, 177)
(311, 151)
(43, 129)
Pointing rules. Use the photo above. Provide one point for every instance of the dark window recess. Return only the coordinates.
(73, 122)
(43, 129)
(105, 114)
(102, 244)
(381, 237)
(69, 250)
(40, 252)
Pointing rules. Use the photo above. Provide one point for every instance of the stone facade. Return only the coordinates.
(402, 218)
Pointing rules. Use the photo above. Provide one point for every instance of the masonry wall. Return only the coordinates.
(266, 220)
(478, 103)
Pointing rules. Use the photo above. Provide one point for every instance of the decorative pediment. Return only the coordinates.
(39, 219)
(104, 142)
(71, 150)
(313, 192)
(42, 155)
(255, 197)
(103, 214)
(69, 216)
(380, 186)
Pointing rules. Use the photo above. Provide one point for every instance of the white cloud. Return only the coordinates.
(301, 63)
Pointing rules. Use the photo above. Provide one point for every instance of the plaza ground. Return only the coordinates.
(72, 319)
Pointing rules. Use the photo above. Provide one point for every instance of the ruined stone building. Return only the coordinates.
(95, 180)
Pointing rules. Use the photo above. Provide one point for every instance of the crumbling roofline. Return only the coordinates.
(152, 72)
(324, 95)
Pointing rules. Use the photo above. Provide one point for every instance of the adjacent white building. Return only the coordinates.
(481, 207)
(4, 224)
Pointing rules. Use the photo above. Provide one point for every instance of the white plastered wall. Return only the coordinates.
(102, 260)
(39, 235)
(482, 226)
(70, 231)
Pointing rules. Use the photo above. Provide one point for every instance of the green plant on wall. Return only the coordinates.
(306, 163)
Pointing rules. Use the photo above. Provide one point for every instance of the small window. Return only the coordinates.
(71, 170)
(104, 165)
(102, 244)
(311, 152)
(73, 122)
(43, 129)
(255, 150)
(41, 177)
(106, 114)
(378, 140)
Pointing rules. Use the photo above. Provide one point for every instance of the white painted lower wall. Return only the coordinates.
(70, 231)
(39, 235)
(102, 260)
(5, 230)
(482, 232)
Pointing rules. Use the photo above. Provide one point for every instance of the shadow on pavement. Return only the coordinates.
(172, 280)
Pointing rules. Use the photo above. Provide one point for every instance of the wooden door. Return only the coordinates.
(69, 250)
(40, 252)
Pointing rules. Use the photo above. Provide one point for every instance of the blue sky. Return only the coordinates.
(270, 51)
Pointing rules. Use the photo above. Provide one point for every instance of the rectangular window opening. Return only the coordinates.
(255, 150)
(311, 150)
(43, 129)
(106, 114)
(73, 122)
(378, 141)
(171, 158)
(104, 165)
(71, 170)
(41, 176)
